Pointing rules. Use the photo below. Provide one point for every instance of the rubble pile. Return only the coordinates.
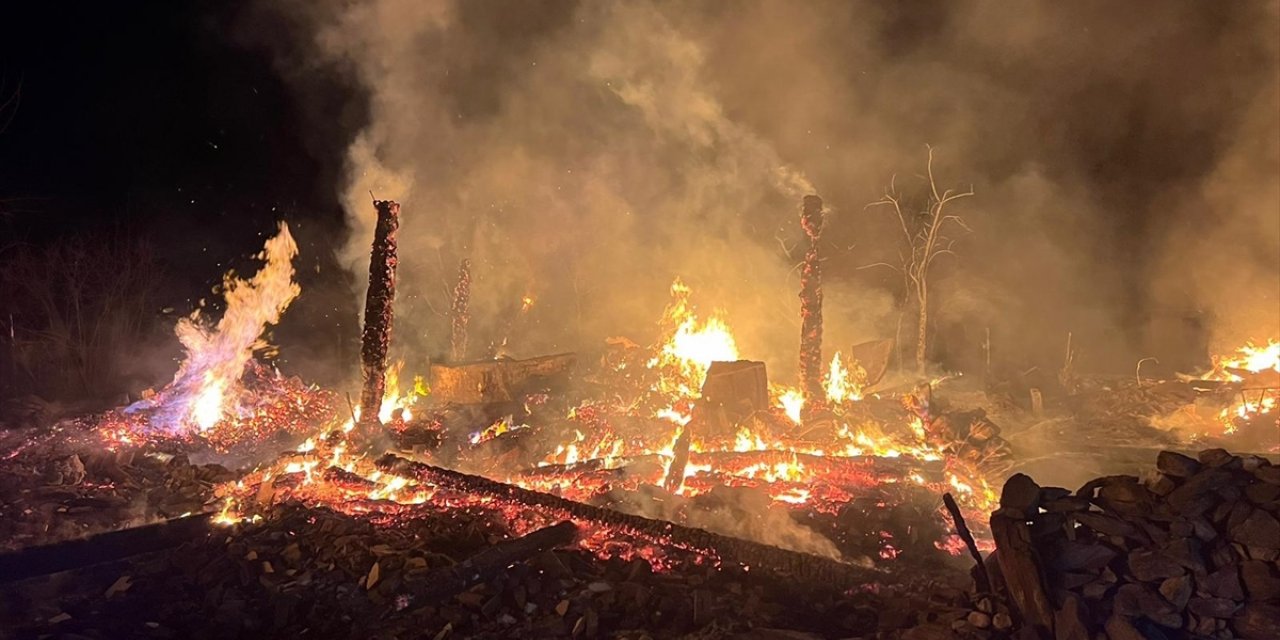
(313, 572)
(1191, 552)
(62, 488)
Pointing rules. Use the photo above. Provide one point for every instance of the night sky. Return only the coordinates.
(152, 119)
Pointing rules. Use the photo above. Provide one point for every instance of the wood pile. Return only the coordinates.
(1191, 552)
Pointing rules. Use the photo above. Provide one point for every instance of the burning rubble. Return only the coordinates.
(556, 496)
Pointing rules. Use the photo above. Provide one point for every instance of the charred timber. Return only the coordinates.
(461, 312)
(488, 564)
(376, 338)
(102, 548)
(802, 568)
(811, 220)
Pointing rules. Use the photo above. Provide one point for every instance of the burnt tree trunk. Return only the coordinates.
(376, 338)
(811, 308)
(461, 314)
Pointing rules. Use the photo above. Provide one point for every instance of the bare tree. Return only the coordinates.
(924, 239)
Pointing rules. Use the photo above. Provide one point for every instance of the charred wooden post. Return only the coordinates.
(803, 568)
(811, 220)
(376, 338)
(460, 312)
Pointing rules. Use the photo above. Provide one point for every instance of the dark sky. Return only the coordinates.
(152, 119)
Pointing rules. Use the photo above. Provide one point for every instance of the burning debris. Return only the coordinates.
(671, 467)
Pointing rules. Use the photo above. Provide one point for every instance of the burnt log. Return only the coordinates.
(488, 564)
(496, 381)
(376, 337)
(102, 548)
(811, 219)
(802, 568)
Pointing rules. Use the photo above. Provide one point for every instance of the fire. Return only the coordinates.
(1258, 397)
(691, 346)
(1251, 358)
(791, 401)
(207, 388)
(840, 385)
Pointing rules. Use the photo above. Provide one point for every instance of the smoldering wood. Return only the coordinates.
(981, 578)
(680, 460)
(487, 564)
(376, 337)
(811, 220)
(102, 548)
(742, 386)
(460, 312)
(496, 381)
(783, 564)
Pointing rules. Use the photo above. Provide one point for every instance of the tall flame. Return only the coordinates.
(205, 389)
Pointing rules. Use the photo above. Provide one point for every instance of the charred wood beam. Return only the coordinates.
(102, 548)
(803, 568)
(488, 564)
(461, 313)
(376, 337)
(980, 577)
(811, 220)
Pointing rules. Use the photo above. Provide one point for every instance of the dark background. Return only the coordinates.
(151, 121)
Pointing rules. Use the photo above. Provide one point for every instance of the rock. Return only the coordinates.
(978, 619)
(1126, 495)
(1074, 556)
(1070, 622)
(1107, 525)
(1151, 566)
(1177, 465)
(1260, 580)
(1260, 529)
(1140, 600)
(1262, 494)
(1118, 628)
(1163, 485)
(1068, 504)
(1186, 552)
(1269, 475)
(1224, 583)
(1001, 621)
(1212, 607)
(1049, 494)
(1198, 494)
(1177, 590)
(1258, 621)
(1216, 457)
(1021, 494)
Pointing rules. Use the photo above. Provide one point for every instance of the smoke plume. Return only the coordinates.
(1124, 158)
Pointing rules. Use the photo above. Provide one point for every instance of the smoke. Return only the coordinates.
(585, 154)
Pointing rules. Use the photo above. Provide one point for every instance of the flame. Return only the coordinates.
(206, 388)
(1250, 403)
(690, 347)
(840, 385)
(791, 401)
